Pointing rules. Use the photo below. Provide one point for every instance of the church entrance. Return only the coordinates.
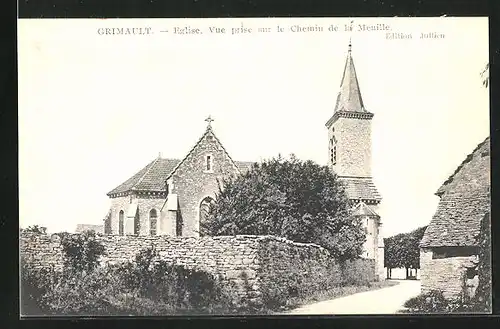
(204, 210)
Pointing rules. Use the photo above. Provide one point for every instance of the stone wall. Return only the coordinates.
(251, 265)
(443, 274)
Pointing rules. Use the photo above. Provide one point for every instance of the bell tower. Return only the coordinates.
(349, 129)
(350, 157)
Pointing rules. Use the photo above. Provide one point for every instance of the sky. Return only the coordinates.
(94, 109)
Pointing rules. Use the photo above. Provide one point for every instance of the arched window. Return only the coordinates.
(204, 209)
(152, 222)
(137, 223)
(120, 222)
(107, 224)
(333, 150)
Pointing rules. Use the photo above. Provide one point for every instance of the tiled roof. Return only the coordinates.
(153, 176)
(361, 209)
(360, 189)
(457, 221)
(465, 199)
(150, 178)
(244, 166)
(482, 147)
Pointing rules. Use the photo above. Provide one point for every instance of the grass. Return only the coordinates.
(337, 292)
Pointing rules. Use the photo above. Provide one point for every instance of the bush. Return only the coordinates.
(82, 251)
(35, 283)
(435, 302)
(357, 272)
(145, 286)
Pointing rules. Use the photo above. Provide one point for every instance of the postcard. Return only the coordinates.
(270, 166)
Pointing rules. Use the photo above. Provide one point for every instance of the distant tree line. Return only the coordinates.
(403, 251)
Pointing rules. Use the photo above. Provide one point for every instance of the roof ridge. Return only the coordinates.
(467, 159)
(151, 164)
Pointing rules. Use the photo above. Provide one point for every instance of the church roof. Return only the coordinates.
(361, 209)
(361, 188)
(349, 100)
(150, 178)
(465, 200)
(154, 175)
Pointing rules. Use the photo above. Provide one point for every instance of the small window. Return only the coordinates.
(208, 163)
(120, 223)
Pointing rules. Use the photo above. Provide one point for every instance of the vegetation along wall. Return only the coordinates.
(260, 269)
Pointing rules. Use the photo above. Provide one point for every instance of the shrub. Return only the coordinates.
(146, 286)
(358, 272)
(35, 282)
(435, 302)
(81, 251)
(35, 229)
(182, 288)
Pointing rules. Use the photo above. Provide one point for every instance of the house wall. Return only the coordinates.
(444, 274)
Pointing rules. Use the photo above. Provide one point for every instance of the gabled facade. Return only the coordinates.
(170, 196)
(449, 247)
(350, 157)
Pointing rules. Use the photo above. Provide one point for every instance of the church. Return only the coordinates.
(171, 196)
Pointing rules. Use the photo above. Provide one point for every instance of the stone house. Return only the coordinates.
(449, 247)
(89, 227)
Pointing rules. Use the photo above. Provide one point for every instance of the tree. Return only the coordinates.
(402, 250)
(299, 200)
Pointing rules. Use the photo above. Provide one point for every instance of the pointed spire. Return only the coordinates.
(349, 98)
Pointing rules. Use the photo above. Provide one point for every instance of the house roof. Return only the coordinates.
(465, 199)
(361, 209)
(89, 227)
(481, 147)
(358, 188)
(154, 175)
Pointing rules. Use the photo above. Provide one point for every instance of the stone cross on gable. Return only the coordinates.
(209, 121)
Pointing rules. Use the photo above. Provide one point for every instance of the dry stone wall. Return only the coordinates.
(254, 267)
